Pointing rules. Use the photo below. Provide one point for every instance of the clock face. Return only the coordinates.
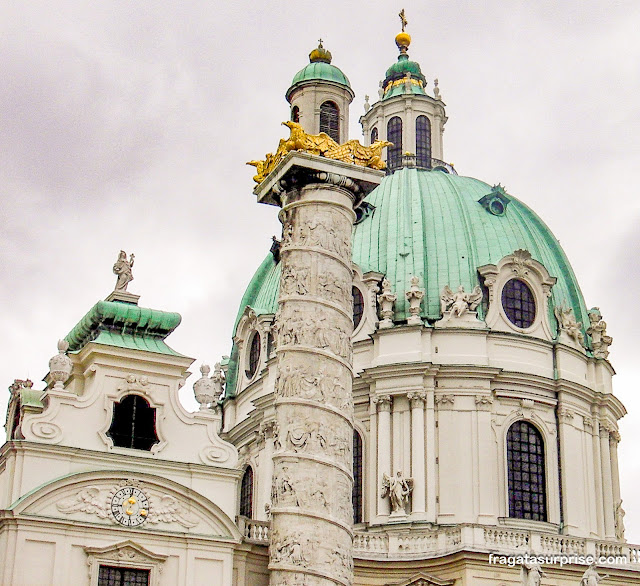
(130, 506)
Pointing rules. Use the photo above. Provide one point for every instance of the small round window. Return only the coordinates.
(518, 303)
(358, 307)
(254, 355)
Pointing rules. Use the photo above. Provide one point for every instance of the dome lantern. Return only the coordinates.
(320, 95)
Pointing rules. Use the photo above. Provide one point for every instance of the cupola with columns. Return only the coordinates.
(320, 95)
(406, 115)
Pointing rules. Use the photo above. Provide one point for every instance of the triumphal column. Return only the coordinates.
(311, 511)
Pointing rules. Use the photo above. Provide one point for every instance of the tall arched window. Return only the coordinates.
(330, 120)
(526, 472)
(356, 495)
(246, 493)
(254, 355)
(394, 135)
(423, 142)
(295, 114)
(374, 135)
(133, 424)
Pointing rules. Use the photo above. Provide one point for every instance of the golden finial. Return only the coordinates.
(320, 54)
(403, 39)
(403, 19)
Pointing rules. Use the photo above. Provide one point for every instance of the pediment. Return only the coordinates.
(89, 498)
(125, 551)
(423, 579)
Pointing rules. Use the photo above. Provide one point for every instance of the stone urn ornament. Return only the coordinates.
(204, 388)
(414, 296)
(60, 366)
(386, 299)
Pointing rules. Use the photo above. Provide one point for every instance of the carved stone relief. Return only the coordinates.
(96, 500)
(598, 332)
(568, 325)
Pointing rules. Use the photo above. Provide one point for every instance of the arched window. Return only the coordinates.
(526, 472)
(133, 424)
(519, 303)
(295, 114)
(246, 493)
(358, 306)
(356, 495)
(330, 120)
(423, 142)
(254, 355)
(394, 135)
(374, 135)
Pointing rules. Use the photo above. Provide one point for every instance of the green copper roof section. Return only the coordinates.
(126, 326)
(261, 295)
(319, 71)
(430, 224)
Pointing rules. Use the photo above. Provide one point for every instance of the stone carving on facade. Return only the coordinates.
(305, 435)
(304, 382)
(134, 383)
(417, 399)
(568, 325)
(444, 400)
(290, 549)
(565, 414)
(124, 553)
(333, 288)
(204, 389)
(123, 270)
(591, 577)
(460, 302)
(414, 296)
(522, 262)
(321, 231)
(531, 573)
(484, 402)
(436, 90)
(382, 402)
(397, 488)
(295, 280)
(619, 520)
(598, 331)
(96, 500)
(316, 330)
(386, 299)
(60, 366)
(587, 422)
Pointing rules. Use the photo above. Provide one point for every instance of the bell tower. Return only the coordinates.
(406, 115)
(320, 95)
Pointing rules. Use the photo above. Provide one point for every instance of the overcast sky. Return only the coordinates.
(128, 124)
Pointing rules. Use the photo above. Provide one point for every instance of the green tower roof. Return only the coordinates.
(124, 325)
(440, 227)
(319, 71)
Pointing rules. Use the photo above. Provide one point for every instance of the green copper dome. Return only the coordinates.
(440, 227)
(319, 71)
(396, 75)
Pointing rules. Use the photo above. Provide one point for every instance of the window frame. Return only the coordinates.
(242, 509)
(542, 461)
(136, 397)
(326, 124)
(126, 554)
(423, 153)
(533, 300)
(253, 350)
(121, 582)
(394, 153)
(358, 487)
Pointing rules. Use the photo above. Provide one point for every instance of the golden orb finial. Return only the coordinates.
(320, 54)
(403, 39)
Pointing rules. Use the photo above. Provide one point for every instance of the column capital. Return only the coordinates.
(298, 169)
(417, 399)
(383, 402)
(565, 414)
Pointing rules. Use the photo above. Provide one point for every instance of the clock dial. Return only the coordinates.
(130, 506)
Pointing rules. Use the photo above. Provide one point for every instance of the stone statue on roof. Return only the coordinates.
(122, 268)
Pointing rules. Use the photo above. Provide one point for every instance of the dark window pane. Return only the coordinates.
(254, 355)
(518, 303)
(423, 142)
(356, 495)
(394, 135)
(330, 120)
(295, 114)
(374, 135)
(525, 472)
(358, 306)
(112, 576)
(133, 424)
(246, 493)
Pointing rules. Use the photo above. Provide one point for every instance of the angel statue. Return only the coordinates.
(460, 302)
(591, 577)
(397, 488)
(122, 268)
(531, 573)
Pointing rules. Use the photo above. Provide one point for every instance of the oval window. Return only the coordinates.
(518, 303)
(358, 307)
(254, 356)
